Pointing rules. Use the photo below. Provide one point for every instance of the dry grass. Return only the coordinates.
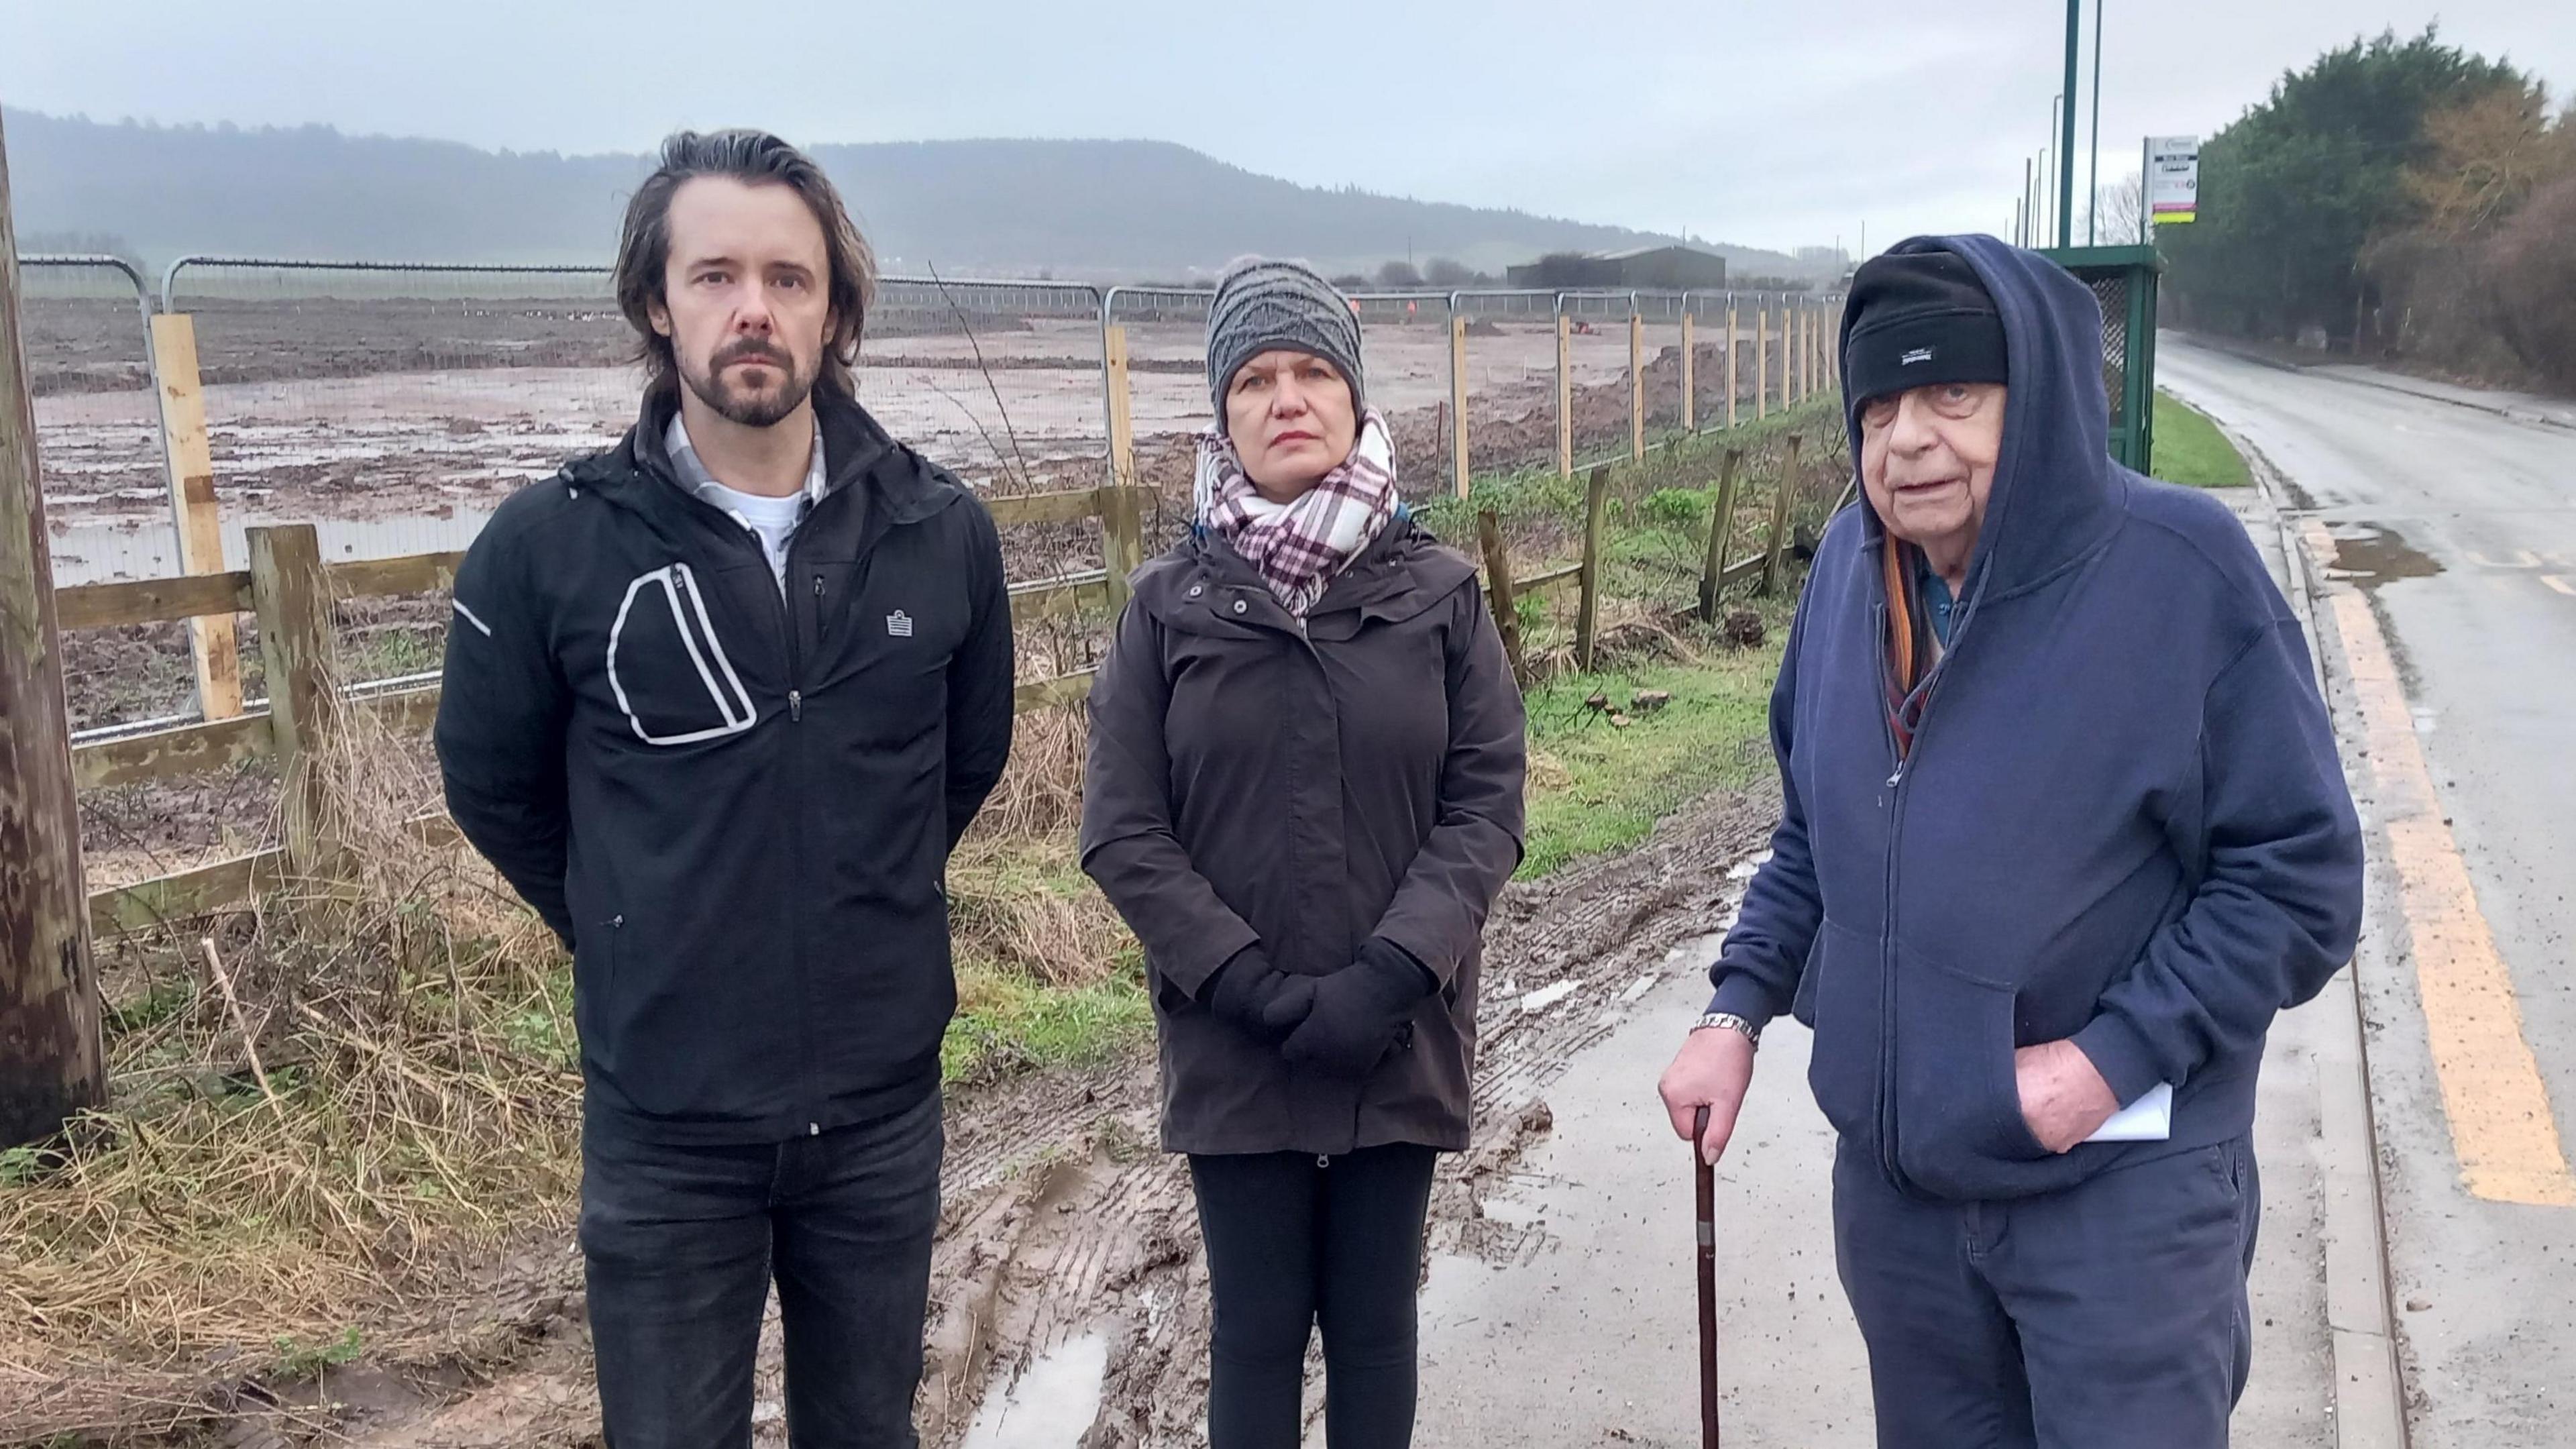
(420, 1111)
(1019, 898)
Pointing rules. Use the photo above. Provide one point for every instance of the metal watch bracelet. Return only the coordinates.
(1729, 1021)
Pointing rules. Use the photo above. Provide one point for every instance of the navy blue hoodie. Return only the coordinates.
(2122, 821)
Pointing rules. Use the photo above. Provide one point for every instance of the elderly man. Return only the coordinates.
(2062, 828)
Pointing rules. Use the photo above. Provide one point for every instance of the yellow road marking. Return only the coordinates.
(2501, 1126)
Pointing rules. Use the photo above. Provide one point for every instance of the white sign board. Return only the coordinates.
(2173, 178)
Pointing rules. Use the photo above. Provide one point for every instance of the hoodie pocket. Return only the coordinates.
(1841, 989)
(1958, 1120)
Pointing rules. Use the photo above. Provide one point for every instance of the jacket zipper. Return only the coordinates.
(796, 834)
(1898, 782)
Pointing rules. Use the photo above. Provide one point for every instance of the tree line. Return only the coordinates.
(2401, 199)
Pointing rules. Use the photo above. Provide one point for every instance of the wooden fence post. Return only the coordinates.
(1807, 349)
(1636, 386)
(1499, 594)
(1564, 396)
(1730, 359)
(1458, 403)
(1761, 358)
(1794, 364)
(1780, 503)
(212, 642)
(292, 593)
(1721, 527)
(1122, 425)
(1121, 529)
(52, 1063)
(1690, 403)
(1587, 615)
(1122, 539)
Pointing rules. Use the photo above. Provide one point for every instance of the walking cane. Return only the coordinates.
(1708, 1428)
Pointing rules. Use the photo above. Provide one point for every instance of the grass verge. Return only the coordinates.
(2191, 451)
(1597, 787)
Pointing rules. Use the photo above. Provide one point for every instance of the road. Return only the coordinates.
(2448, 532)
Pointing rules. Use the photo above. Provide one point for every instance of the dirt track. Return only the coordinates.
(1065, 1228)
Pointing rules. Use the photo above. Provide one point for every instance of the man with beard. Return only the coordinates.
(719, 702)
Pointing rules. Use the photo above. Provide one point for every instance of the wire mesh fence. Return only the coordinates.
(398, 403)
(1597, 372)
(1660, 317)
(86, 328)
(1167, 394)
(1510, 376)
(1404, 344)
(1714, 338)
(1003, 382)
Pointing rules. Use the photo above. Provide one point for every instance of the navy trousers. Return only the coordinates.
(2107, 1316)
(681, 1244)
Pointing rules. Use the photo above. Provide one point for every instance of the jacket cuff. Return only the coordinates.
(1740, 994)
(1426, 954)
(2121, 1055)
(1189, 974)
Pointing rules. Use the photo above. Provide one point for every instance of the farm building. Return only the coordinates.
(1668, 268)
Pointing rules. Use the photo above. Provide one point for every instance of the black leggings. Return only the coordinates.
(1292, 1243)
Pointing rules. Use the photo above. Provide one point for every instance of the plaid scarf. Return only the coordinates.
(1298, 547)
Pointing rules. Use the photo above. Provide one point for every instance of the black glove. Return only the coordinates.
(1360, 1009)
(1258, 998)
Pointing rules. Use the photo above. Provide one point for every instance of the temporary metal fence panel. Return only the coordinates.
(1510, 378)
(86, 322)
(1167, 389)
(1404, 344)
(1660, 316)
(1710, 342)
(401, 401)
(1003, 381)
(1596, 383)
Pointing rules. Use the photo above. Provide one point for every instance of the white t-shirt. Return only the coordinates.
(773, 519)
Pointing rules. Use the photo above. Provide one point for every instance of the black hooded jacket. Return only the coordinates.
(735, 803)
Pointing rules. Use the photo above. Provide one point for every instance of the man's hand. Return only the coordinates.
(2063, 1097)
(1713, 1070)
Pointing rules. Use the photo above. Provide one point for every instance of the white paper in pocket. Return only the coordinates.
(2148, 1119)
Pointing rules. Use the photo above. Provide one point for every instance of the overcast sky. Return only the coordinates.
(1771, 125)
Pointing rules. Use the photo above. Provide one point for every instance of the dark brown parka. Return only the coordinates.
(1306, 785)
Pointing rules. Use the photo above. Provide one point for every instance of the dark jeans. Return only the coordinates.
(2108, 1316)
(1292, 1244)
(681, 1244)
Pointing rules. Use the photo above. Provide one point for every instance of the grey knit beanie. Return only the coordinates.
(1262, 305)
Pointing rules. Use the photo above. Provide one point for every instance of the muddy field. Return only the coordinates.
(393, 411)
(1068, 1290)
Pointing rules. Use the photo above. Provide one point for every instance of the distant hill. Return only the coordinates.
(1114, 210)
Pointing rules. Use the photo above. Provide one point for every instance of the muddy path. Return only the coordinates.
(1066, 1228)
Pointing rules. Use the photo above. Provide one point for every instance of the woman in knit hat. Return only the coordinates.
(1303, 792)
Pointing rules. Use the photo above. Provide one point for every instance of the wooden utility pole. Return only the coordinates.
(51, 1059)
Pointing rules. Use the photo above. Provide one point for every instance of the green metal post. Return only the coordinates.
(2093, 153)
(2066, 133)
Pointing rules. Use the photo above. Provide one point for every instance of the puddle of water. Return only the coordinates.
(2370, 555)
(1052, 1404)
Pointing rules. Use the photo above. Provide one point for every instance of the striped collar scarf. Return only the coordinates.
(1299, 547)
